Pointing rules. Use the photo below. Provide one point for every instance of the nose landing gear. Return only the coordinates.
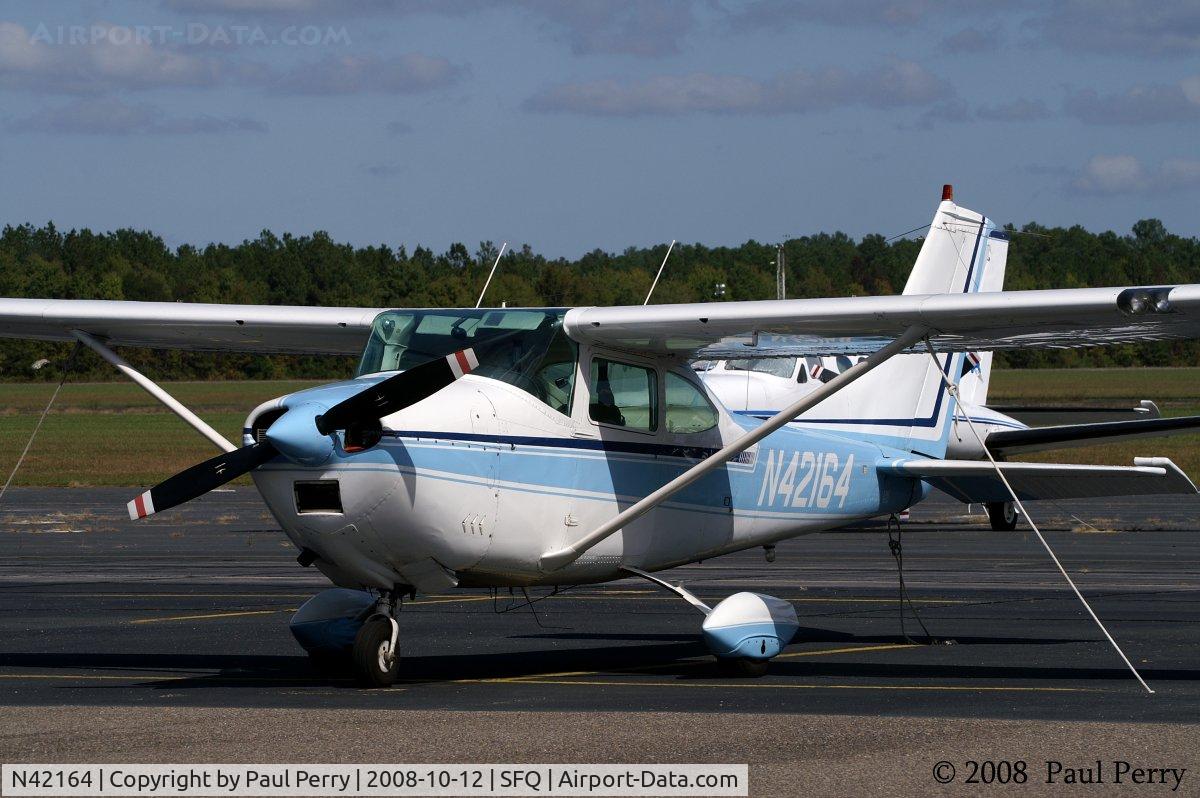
(376, 654)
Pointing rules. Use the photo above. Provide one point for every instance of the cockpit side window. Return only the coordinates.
(688, 409)
(623, 395)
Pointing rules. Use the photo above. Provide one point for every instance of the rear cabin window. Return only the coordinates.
(623, 395)
(688, 409)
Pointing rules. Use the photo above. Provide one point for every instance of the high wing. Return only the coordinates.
(1054, 319)
(179, 325)
(1061, 318)
(976, 481)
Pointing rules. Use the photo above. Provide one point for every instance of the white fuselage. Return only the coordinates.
(764, 392)
(473, 485)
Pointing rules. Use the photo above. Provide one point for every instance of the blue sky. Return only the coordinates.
(594, 123)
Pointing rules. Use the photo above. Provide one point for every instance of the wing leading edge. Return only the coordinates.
(851, 325)
(180, 325)
(1058, 318)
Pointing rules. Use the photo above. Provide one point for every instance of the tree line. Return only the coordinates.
(316, 270)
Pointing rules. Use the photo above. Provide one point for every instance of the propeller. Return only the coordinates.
(200, 479)
(303, 433)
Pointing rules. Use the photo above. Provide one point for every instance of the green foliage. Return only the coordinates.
(316, 270)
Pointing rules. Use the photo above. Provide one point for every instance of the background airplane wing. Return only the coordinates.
(1060, 318)
(976, 481)
(179, 325)
(1056, 415)
(1002, 443)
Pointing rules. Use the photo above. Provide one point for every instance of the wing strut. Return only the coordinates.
(154, 390)
(553, 560)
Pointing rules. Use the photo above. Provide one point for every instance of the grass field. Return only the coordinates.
(115, 434)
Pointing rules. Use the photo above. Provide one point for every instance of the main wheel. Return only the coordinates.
(375, 664)
(1003, 516)
(743, 667)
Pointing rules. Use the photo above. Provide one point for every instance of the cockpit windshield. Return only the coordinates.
(534, 355)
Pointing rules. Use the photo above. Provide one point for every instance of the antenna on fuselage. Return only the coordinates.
(503, 247)
(654, 284)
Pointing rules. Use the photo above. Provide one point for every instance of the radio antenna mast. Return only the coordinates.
(660, 270)
(780, 273)
(503, 247)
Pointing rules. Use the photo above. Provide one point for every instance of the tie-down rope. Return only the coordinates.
(66, 371)
(953, 391)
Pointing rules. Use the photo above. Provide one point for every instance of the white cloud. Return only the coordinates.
(1015, 111)
(629, 27)
(1125, 174)
(897, 84)
(409, 73)
(111, 58)
(972, 41)
(113, 117)
(1139, 105)
(1159, 28)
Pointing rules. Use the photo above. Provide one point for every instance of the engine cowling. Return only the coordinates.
(750, 625)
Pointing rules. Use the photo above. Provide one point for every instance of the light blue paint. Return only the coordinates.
(752, 641)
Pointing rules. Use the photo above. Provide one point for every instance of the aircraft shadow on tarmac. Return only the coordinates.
(662, 657)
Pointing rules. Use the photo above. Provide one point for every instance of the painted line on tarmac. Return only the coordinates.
(849, 650)
(209, 616)
(690, 664)
(789, 686)
(243, 613)
(104, 677)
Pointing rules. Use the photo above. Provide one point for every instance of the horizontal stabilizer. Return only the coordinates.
(976, 481)
(1015, 441)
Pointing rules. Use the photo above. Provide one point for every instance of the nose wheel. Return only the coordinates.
(376, 652)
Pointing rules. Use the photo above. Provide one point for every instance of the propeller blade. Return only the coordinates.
(200, 479)
(399, 391)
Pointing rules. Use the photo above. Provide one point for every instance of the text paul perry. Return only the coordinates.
(1112, 771)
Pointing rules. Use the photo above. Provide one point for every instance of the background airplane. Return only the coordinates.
(759, 385)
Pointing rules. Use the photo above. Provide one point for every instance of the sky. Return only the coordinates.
(594, 123)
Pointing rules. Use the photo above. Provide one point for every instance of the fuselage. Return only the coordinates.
(760, 387)
(471, 486)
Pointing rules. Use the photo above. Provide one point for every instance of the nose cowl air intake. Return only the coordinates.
(296, 437)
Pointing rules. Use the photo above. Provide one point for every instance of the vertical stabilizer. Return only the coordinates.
(973, 388)
(904, 402)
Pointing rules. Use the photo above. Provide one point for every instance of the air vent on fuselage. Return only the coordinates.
(318, 496)
(264, 420)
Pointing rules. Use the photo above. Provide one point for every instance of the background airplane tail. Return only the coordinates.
(904, 403)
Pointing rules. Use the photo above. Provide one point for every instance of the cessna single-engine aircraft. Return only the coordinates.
(564, 446)
(760, 386)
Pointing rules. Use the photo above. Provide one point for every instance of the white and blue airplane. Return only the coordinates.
(562, 446)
